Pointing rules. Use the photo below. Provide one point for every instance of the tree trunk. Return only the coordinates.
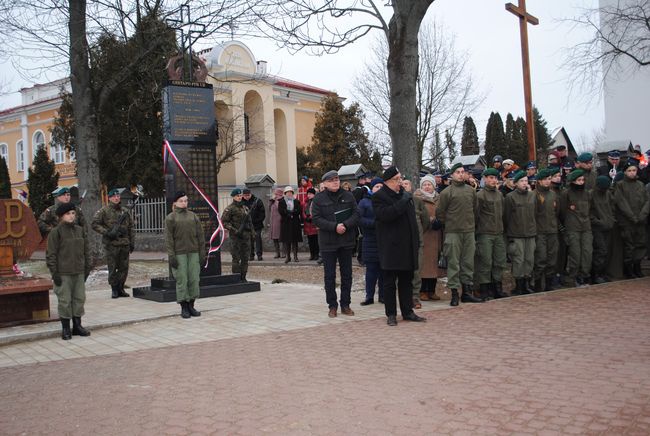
(85, 120)
(402, 66)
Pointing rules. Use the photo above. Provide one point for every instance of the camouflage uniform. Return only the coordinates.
(240, 235)
(48, 219)
(117, 247)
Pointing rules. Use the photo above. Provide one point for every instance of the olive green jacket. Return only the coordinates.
(519, 215)
(547, 209)
(631, 200)
(574, 209)
(489, 212)
(104, 220)
(48, 219)
(456, 208)
(67, 250)
(602, 209)
(184, 233)
(235, 214)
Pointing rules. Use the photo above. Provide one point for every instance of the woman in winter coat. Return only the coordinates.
(310, 229)
(276, 221)
(369, 245)
(290, 229)
(432, 236)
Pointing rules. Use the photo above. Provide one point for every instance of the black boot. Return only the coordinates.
(77, 328)
(120, 291)
(628, 271)
(295, 254)
(287, 255)
(192, 310)
(467, 296)
(523, 286)
(497, 287)
(115, 291)
(530, 286)
(66, 334)
(538, 285)
(185, 309)
(454, 297)
(636, 269)
(242, 276)
(276, 243)
(549, 283)
(485, 291)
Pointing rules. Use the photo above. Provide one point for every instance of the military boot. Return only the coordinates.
(77, 328)
(467, 296)
(185, 309)
(454, 297)
(636, 269)
(549, 283)
(538, 285)
(192, 310)
(295, 254)
(628, 271)
(497, 288)
(242, 276)
(66, 334)
(485, 291)
(522, 286)
(115, 291)
(121, 292)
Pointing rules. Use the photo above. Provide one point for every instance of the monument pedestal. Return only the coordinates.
(24, 300)
(163, 289)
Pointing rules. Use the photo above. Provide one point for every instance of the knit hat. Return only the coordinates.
(603, 182)
(64, 208)
(519, 175)
(390, 172)
(455, 167)
(179, 194)
(573, 175)
(544, 173)
(585, 157)
(311, 191)
(114, 191)
(376, 180)
(428, 178)
(245, 191)
(508, 162)
(631, 162)
(497, 158)
(491, 172)
(287, 189)
(235, 192)
(329, 175)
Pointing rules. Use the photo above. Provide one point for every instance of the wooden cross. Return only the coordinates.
(524, 19)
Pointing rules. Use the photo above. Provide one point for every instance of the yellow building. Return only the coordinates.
(268, 115)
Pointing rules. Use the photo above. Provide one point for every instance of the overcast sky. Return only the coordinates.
(490, 36)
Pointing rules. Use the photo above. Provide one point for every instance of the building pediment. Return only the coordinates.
(231, 56)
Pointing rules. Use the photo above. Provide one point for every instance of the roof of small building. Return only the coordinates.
(621, 145)
(351, 170)
(471, 159)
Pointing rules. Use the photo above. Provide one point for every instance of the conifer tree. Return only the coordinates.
(5, 182)
(494, 137)
(42, 180)
(469, 142)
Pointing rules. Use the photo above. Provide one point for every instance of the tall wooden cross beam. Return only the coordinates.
(524, 19)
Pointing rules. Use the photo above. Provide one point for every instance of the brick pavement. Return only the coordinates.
(568, 362)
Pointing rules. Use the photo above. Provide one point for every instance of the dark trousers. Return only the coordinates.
(402, 282)
(256, 246)
(313, 246)
(600, 255)
(374, 277)
(344, 258)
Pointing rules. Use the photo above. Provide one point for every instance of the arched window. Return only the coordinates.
(57, 153)
(38, 142)
(4, 151)
(20, 155)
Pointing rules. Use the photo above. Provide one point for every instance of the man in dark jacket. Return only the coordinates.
(258, 214)
(602, 222)
(613, 165)
(334, 212)
(398, 242)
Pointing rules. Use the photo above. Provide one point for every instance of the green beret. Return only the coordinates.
(235, 191)
(454, 168)
(491, 172)
(573, 175)
(544, 173)
(554, 170)
(114, 191)
(585, 157)
(519, 175)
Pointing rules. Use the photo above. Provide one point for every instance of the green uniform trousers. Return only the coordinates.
(600, 254)
(459, 248)
(71, 295)
(579, 251)
(240, 248)
(546, 249)
(117, 258)
(634, 239)
(491, 258)
(522, 256)
(187, 277)
(417, 280)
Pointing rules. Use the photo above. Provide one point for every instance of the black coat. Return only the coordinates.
(258, 214)
(397, 229)
(290, 229)
(324, 205)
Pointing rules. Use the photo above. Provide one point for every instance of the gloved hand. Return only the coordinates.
(56, 278)
(131, 248)
(436, 224)
(112, 234)
(121, 231)
(173, 262)
(86, 274)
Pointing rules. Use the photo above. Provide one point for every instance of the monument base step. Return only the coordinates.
(163, 290)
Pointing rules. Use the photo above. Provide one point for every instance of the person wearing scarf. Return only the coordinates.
(290, 228)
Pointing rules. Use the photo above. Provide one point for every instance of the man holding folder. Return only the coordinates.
(334, 212)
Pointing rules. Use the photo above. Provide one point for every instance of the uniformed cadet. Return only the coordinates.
(490, 243)
(546, 242)
(68, 260)
(632, 207)
(602, 222)
(585, 162)
(236, 219)
(48, 219)
(521, 230)
(575, 215)
(185, 243)
(456, 212)
(115, 225)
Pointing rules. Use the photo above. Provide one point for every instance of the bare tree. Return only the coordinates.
(326, 26)
(619, 43)
(445, 91)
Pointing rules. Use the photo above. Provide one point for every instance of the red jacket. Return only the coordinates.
(309, 228)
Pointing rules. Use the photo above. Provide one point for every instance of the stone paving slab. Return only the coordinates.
(569, 362)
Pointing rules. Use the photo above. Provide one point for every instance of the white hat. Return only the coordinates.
(508, 162)
(287, 189)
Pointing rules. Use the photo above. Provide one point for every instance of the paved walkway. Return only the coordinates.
(568, 362)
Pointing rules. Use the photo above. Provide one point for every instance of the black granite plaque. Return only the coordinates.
(188, 110)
